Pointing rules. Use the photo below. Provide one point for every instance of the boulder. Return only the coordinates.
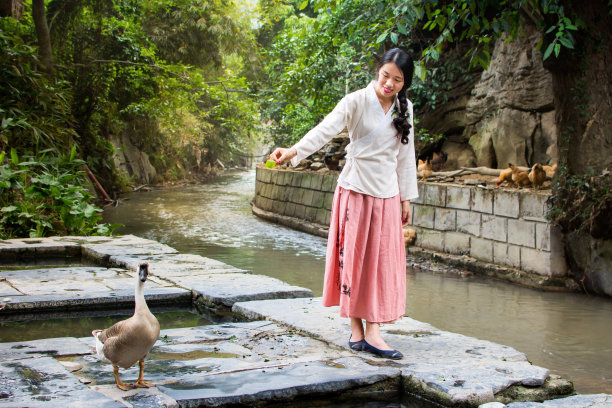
(459, 155)
(133, 162)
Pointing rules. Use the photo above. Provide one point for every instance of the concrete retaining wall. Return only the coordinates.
(504, 227)
(305, 196)
(498, 226)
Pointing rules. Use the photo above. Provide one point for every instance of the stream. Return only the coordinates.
(570, 334)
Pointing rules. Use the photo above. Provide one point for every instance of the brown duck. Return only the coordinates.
(130, 340)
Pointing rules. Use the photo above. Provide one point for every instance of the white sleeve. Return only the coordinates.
(406, 165)
(329, 127)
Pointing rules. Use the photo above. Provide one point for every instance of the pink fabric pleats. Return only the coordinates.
(365, 267)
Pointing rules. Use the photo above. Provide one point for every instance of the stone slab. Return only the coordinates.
(44, 382)
(62, 346)
(174, 264)
(106, 299)
(576, 401)
(506, 204)
(289, 382)
(464, 369)
(8, 290)
(494, 227)
(226, 289)
(43, 275)
(101, 253)
(137, 397)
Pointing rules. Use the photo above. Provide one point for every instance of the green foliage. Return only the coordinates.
(44, 194)
(484, 21)
(34, 109)
(315, 60)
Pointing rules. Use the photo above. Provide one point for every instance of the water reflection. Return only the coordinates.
(566, 333)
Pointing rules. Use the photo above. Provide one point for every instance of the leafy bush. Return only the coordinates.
(45, 194)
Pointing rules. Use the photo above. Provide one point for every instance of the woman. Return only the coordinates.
(365, 269)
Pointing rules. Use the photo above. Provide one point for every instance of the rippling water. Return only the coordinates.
(570, 334)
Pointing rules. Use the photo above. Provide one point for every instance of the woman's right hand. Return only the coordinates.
(282, 154)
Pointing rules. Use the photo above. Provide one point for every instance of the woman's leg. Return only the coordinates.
(356, 329)
(373, 337)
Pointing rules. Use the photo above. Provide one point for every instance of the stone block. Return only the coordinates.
(310, 214)
(318, 199)
(321, 217)
(307, 198)
(263, 203)
(542, 236)
(258, 173)
(329, 183)
(328, 201)
(328, 218)
(444, 219)
(534, 260)
(288, 178)
(306, 180)
(300, 211)
(468, 221)
(287, 193)
(419, 199)
(430, 239)
(296, 180)
(482, 200)
(533, 206)
(289, 210)
(458, 197)
(278, 207)
(258, 186)
(423, 216)
(506, 254)
(276, 192)
(434, 194)
(456, 243)
(521, 233)
(506, 204)
(481, 249)
(316, 182)
(298, 195)
(274, 176)
(266, 174)
(494, 228)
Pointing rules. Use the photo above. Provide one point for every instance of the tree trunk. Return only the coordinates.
(42, 32)
(582, 86)
(10, 8)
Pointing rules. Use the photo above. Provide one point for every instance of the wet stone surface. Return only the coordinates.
(294, 350)
(44, 382)
(447, 367)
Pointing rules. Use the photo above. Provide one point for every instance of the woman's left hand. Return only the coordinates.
(406, 213)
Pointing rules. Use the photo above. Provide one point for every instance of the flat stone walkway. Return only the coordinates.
(287, 348)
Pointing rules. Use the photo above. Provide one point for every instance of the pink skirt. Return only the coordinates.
(365, 267)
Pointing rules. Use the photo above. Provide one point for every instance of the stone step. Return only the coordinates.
(447, 368)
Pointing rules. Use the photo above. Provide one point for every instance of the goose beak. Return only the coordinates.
(143, 271)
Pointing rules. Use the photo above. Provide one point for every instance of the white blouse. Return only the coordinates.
(377, 163)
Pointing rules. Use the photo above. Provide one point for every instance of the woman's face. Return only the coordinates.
(390, 81)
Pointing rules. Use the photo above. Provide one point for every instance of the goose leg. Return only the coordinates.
(140, 383)
(121, 385)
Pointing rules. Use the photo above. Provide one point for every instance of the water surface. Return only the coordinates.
(570, 334)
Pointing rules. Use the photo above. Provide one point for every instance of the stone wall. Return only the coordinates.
(295, 196)
(503, 227)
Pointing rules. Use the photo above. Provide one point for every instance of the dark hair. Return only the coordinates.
(404, 61)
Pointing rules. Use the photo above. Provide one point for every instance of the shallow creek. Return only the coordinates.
(570, 334)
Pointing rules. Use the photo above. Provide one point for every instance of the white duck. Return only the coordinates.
(130, 340)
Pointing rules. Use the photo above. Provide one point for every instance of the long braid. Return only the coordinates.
(401, 120)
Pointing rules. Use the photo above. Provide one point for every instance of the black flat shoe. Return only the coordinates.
(356, 345)
(392, 354)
